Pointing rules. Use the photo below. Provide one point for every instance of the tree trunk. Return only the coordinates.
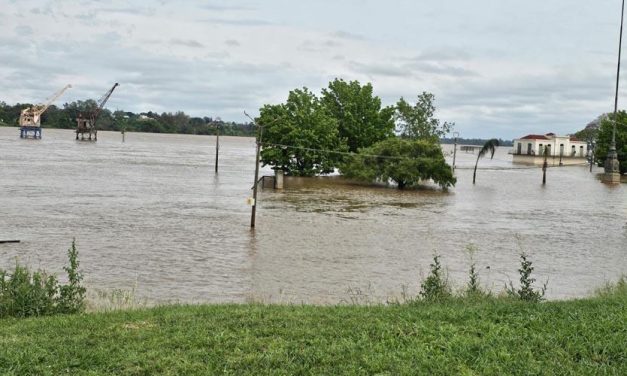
(474, 174)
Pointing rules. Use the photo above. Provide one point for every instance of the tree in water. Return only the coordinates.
(488, 147)
(361, 119)
(300, 136)
(405, 162)
(418, 121)
(605, 137)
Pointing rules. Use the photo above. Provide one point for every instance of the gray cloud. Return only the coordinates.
(347, 35)
(232, 43)
(236, 22)
(379, 69)
(410, 69)
(24, 30)
(225, 8)
(187, 42)
(132, 10)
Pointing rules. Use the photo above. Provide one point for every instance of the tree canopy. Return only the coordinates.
(345, 127)
(604, 139)
(418, 121)
(361, 120)
(406, 162)
(298, 134)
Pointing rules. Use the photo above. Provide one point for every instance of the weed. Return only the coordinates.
(435, 287)
(72, 295)
(24, 293)
(526, 291)
(613, 289)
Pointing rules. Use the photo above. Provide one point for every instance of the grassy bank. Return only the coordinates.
(490, 336)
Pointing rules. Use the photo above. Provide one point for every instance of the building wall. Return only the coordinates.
(536, 147)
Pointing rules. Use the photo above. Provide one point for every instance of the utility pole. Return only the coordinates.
(259, 136)
(455, 134)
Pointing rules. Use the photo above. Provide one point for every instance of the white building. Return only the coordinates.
(561, 150)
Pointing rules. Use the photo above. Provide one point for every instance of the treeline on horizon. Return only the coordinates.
(179, 122)
(151, 122)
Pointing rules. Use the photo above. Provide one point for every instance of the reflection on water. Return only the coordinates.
(151, 212)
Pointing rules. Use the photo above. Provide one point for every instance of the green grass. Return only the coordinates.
(489, 336)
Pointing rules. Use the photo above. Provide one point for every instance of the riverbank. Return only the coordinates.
(488, 336)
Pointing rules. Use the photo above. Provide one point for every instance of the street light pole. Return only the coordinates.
(612, 170)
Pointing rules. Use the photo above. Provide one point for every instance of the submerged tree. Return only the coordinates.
(605, 138)
(405, 162)
(300, 136)
(489, 147)
(418, 121)
(361, 120)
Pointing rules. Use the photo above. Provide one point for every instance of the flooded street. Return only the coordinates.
(150, 214)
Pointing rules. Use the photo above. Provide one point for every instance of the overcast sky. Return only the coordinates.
(498, 68)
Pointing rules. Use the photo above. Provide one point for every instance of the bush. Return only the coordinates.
(435, 287)
(526, 291)
(24, 293)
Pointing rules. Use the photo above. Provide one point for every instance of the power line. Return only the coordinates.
(394, 157)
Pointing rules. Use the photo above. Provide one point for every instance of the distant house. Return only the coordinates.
(562, 150)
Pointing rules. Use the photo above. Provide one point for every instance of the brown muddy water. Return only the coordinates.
(150, 214)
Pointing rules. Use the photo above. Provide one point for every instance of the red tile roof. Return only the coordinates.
(534, 137)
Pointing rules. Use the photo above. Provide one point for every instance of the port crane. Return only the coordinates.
(30, 118)
(86, 122)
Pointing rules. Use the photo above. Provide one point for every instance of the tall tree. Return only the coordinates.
(418, 121)
(489, 147)
(361, 120)
(405, 162)
(605, 137)
(298, 135)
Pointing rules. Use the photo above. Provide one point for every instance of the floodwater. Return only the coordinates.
(151, 215)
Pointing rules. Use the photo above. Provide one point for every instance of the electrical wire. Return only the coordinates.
(403, 158)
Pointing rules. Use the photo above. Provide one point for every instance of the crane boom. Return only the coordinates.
(32, 116)
(101, 102)
(86, 123)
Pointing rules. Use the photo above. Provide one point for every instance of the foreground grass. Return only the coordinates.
(491, 336)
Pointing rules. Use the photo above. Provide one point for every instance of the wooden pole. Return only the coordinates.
(254, 208)
(217, 145)
(455, 134)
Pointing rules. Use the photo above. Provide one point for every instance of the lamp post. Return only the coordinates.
(591, 145)
(612, 170)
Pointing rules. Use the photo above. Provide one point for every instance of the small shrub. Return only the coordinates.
(435, 287)
(24, 293)
(473, 288)
(526, 291)
(72, 296)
